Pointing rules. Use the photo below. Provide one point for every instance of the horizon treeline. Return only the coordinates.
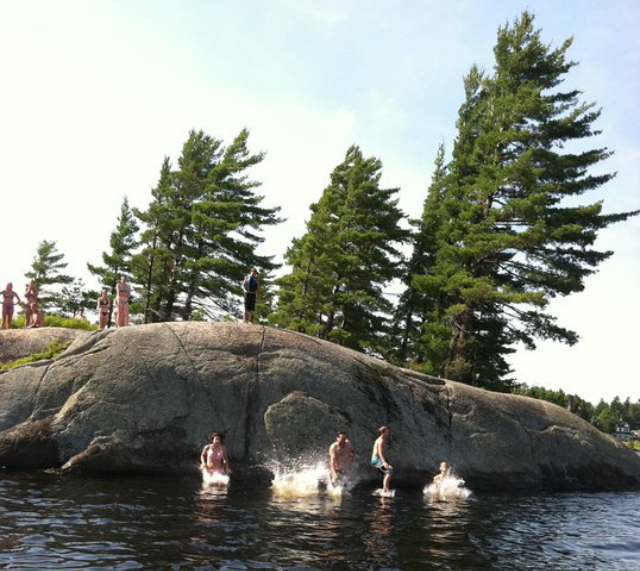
(504, 230)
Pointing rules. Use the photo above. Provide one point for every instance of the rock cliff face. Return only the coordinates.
(146, 399)
(19, 343)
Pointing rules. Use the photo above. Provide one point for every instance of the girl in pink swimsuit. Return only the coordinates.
(214, 456)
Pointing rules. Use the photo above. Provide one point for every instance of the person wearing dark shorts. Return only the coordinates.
(251, 287)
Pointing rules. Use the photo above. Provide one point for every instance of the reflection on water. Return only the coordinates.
(53, 522)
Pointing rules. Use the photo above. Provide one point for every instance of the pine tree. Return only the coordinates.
(118, 262)
(340, 266)
(45, 273)
(414, 307)
(509, 242)
(203, 228)
(75, 297)
(152, 265)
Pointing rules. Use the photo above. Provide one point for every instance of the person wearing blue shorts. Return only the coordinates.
(379, 460)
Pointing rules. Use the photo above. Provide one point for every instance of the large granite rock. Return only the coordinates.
(146, 399)
(19, 343)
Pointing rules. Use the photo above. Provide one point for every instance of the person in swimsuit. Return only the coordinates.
(7, 305)
(379, 460)
(37, 316)
(251, 287)
(124, 293)
(214, 456)
(31, 295)
(103, 306)
(341, 453)
(444, 472)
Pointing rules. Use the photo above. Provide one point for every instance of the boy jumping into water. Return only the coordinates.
(379, 460)
(341, 453)
(444, 472)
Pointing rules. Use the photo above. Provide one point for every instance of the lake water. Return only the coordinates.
(49, 521)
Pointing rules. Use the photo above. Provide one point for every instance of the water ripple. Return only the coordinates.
(52, 522)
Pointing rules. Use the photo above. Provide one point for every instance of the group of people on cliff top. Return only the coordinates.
(214, 459)
(34, 316)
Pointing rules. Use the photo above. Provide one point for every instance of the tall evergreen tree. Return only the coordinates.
(118, 261)
(414, 306)
(203, 227)
(46, 273)
(152, 265)
(340, 266)
(508, 241)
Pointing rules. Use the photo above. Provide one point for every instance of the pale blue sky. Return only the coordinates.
(95, 94)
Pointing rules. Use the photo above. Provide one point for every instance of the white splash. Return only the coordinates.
(298, 482)
(381, 493)
(214, 478)
(450, 487)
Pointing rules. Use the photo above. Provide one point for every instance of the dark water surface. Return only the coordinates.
(54, 522)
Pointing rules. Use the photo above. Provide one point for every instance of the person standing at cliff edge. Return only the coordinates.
(251, 287)
(124, 295)
(7, 305)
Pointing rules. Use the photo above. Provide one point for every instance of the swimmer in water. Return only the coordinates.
(444, 472)
(214, 456)
(341, 453)
(379, 460)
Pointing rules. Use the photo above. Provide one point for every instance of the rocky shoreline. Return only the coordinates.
(145, 399)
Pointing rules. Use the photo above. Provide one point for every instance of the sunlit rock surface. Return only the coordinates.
(146, 399)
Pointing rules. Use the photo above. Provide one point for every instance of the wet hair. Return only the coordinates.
(342, 432)
(382, 429)
(220, 435)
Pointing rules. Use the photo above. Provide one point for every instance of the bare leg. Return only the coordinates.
(125, 317)
(386, 482)
(27, 316)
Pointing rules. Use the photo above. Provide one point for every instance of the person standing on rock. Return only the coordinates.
(214, 456)
(103, 306)
(251, 287)
(379, 460)
(341, 454)
(7, 305)
(124, 294)
(31, 295)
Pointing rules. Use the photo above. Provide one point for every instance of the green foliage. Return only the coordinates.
(419, 308)
(118, 261)
(57, 321)
(52, 351)
(45, 273)
(349, 252)
(506, 239)
(603, 415)
(202, 229)
(76, 297)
